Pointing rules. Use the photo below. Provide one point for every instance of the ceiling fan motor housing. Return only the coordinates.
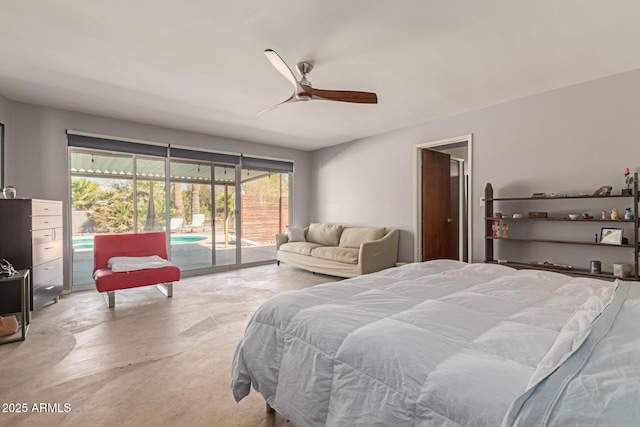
(304, 68)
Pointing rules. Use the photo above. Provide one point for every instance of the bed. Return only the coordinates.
(446, 343)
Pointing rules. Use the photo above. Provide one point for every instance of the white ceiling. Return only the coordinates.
(199, 65)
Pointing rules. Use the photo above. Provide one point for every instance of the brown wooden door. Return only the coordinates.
(437, 221)
(454, 202)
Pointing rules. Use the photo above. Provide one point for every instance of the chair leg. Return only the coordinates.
(166, 289)
(110, 298)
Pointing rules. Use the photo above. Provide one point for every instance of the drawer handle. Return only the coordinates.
(48, 288)
(48, 268)
(46, 222)
(50, 247)
(46, 209)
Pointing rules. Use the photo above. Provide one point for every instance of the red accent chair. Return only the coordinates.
(132, 245)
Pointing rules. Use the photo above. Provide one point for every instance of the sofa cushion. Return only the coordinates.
(353, 237)
(332, 253)
(324, 234)
(295, 234)
(302, 248)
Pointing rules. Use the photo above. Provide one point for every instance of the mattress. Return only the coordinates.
(437, 343)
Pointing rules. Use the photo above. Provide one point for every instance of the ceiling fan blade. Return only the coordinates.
(283, 69)
(344, 96)
(291, 99)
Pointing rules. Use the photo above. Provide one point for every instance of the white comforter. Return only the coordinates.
(599, 383)
(437, 343)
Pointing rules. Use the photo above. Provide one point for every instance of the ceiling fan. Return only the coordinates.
(303, 91)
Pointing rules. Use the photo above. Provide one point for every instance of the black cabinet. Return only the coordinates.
(31, 237)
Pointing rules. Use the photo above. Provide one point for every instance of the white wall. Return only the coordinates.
(5, 109)
(568, 140)
(36, 155)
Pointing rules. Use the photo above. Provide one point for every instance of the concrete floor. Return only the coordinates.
(150, 361)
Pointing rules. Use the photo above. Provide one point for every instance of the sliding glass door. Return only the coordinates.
(102, 202)
(190, 222)
(225, 214)
(265, 212)
(203, 206)
(218, 210)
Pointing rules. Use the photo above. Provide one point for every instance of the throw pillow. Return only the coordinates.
(324, 234)
(295, 234)
(353, 237)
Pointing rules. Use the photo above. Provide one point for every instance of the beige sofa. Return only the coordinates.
(340, 251)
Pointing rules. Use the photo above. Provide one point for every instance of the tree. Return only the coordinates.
(113, 213)
(84, 193)
(177, 199)
(195, 199)
(267, 185)
(225, 209)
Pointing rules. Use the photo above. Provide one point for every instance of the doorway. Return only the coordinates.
(442, 200)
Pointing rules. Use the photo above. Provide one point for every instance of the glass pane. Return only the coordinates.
(225, 215)
(101, 203)
(265, 212)
(150, 195)
(191, 207)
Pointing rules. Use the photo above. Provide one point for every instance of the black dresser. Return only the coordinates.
(31, 236)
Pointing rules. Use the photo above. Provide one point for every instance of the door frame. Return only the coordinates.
(417, 194)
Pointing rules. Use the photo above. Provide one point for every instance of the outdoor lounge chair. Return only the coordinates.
(176, 224)
(197, 221)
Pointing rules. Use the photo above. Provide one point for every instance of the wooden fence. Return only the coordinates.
(263, 217)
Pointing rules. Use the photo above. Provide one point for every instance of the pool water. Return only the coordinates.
(87, 242)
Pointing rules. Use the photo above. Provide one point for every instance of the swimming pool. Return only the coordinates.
(87, 242)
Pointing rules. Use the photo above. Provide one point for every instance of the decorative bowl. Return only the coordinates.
(574, 216)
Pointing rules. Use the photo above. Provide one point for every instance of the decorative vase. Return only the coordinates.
(627, 192)
(9, 192)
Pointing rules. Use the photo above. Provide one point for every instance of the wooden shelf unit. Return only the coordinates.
(490, 239)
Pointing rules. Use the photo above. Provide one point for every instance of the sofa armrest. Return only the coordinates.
(379, 254)
(281, 239)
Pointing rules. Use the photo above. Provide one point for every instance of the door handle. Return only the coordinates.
(449, 220)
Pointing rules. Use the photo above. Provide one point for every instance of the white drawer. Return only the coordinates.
(44, 222)
(46, 235)
(48, 251)
(46, 272)
(44, 207)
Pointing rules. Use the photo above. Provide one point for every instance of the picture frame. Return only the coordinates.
(611, 236)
